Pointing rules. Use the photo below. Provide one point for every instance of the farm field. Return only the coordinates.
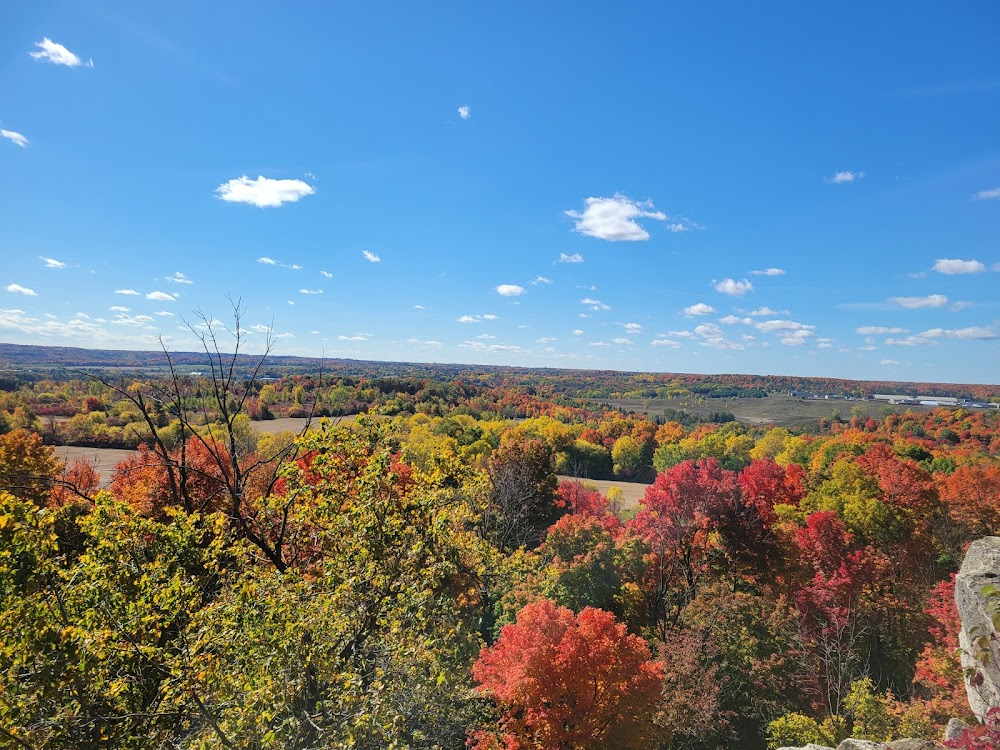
(632, 492)
(778, 408)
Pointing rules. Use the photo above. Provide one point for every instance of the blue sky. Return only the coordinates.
(789, 188)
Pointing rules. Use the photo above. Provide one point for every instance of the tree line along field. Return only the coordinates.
(419, 576)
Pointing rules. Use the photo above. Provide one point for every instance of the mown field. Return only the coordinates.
(778, 408)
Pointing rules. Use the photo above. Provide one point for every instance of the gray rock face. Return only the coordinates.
(980, 568)
(810, 746)
(853, 744)
(954, 729)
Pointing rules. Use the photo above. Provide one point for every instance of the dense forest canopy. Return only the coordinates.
(436, 572)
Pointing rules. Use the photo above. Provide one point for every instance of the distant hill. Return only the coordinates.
(565, 382)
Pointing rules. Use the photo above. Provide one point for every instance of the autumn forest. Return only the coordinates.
(423, 560)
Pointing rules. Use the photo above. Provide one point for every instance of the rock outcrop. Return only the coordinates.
(980, 568)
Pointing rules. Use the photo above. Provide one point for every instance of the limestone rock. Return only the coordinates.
(853, 744)
(954, 729)
(981, 567)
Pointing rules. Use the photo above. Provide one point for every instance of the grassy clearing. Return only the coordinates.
(778, 408)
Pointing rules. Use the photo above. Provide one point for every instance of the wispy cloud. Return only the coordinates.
(178, 278)
(614, 219)
(16, 138)
(732, 320)
(632, 327)
(127, 292)
(577, 331)
(768, 272)
(161, 297)
(914, 303)
(263, 192)
(699, 308)
(18, 289)
(665, 342)
(712, 336)
(840, 178)
(985, 195)
(119, 308)
(310, 291)
(782, 326)
(51, 262)
(622, 341)
(541, 280)
(326, 274)
(764, 311)
(910, 341)
(954, 266)
(55, 53)
(266, 261)
(358, 337)
(595, 304)
(468, 319)
(733, 287)
(972, 333)
(574, 258)
(879, 330)
(465, 112)
(888, 362)
(510, 290)
(371, 257)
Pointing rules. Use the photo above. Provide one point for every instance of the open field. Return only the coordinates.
(632, 492)
(778, 408)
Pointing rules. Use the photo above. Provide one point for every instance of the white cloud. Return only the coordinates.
(268, 261)
(768, 272)
(879, 330)
(622, 341)
(510, 290)
(359, 337)
(633, 327)
(888, 362)
(664, 342)
(371, 257)
(577, 331)
(972, 333)
(310, 291)
(541, 280)
(574, 258)
(762, 311)
(546, 339)
(783, 326)
(614, 219)
(599, 343)
(119, 308)
(910, 341)
(985, 195)
(161, 297)
(953, 266)
(486, 336)
(679, 334)
(467, 319)
(698, 309)
(960, 305)
(796, 338)
(164, 314)
(18, 289)
(178, 278)
(51, 262)
(912, 303)
(129, 292)
(595, 304)
(263, 192)
(465, 112)
(732, 320)
(840, 178)
(489, 316)
(57, 54)
(16, 138)
(733, 287)
(326, 274)
(419, 307)
(714, 337)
